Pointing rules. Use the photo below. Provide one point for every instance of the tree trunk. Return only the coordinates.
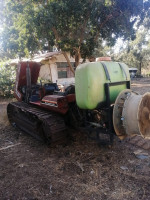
(49, 46)
(77, 56)
(63, 52)
(140, 68)
(68, 61)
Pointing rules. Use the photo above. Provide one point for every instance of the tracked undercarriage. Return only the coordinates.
(43, 125)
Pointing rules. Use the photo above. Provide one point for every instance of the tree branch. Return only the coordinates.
(84, 24)
(77, 56)
(68, 61)
(77, 50)
(109, 17)
(55, 33)
(63, 52)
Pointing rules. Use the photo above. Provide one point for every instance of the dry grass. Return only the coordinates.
(3, 110)
(3, 115)
(81, 170)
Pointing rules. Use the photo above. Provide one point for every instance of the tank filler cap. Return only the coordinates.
(103, 59)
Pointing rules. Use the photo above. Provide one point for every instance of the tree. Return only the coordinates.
(136, 53)
(7, 79)
(73, 26)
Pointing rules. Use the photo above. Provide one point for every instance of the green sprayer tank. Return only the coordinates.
(90, 79)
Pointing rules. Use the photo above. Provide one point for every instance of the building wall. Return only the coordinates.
(54, 72)
(45, 72)
(57, 69)
(61, 58)
(51, 70)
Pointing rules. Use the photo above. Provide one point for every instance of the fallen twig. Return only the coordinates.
(80, 166)
(3, 148)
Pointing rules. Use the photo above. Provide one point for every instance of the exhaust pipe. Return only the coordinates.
(28, 82)
(131, 114)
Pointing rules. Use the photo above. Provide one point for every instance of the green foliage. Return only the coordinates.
(7, 80)
(136, 54)
(71, 25)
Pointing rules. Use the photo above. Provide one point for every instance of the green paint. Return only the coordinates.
(90, 79)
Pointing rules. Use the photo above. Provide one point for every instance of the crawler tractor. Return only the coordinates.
(101, 103)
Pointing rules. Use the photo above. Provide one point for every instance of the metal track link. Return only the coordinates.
(43, 125)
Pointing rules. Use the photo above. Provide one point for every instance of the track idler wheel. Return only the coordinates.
(131, 114)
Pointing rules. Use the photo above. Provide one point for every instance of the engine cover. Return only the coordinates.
(56, 103)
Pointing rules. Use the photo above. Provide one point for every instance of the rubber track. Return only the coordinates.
(43, 125)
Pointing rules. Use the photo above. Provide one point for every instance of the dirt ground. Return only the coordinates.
(81, 170)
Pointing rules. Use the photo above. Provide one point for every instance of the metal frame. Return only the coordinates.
(109, 107)
(107, 91)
